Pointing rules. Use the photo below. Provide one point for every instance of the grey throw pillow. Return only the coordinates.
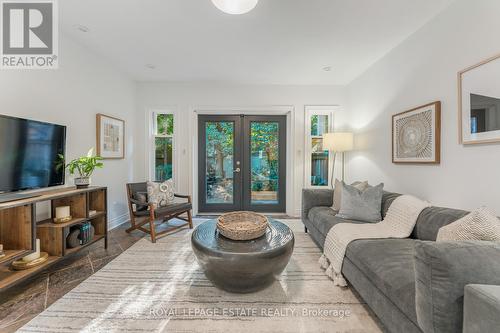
(361, 205)
(337, 192)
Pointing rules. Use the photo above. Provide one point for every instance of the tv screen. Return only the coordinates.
(29, 154)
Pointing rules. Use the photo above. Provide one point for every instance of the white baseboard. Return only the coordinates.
(117, 221)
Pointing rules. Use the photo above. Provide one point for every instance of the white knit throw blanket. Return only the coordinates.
(398, 223)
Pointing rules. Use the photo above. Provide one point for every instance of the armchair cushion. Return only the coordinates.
(167, 210)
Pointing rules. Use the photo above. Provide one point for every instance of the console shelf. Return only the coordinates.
(50, 224)
(19, 228)
(76, 249)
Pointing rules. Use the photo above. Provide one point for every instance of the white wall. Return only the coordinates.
(83, 86)
(183, 98)
(424, 69)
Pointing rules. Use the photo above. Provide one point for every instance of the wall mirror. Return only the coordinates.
(479, 102)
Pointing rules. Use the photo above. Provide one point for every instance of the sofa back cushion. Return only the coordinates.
(387, 200)
(431, 219)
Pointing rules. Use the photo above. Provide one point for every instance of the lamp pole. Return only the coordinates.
(343, 165)
(333, 169)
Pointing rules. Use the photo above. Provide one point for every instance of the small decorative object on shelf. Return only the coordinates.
(73, 239)
(19, 265)
(86, 233)
(2, 254)
(63, 214)
(84, 165)
(242, 225)
(33, 256)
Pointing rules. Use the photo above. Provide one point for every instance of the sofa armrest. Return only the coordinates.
(315, 197)
(481, 308)
(442, 270)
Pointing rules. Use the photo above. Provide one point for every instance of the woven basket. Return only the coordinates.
(242, 225)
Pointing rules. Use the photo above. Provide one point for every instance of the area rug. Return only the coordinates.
(160, 288)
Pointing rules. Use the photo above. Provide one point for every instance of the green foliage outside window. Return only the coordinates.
(165, 124)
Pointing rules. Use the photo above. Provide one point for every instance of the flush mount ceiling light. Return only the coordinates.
(235, 7)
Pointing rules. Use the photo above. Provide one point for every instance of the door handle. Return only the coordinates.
(237, 170)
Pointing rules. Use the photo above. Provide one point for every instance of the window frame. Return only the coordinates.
(309, 112)
(153, 134)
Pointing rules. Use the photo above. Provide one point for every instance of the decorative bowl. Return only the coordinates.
(242, 225)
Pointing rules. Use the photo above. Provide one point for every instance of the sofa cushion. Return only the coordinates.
(388, 263)
(431, 219)
(387, 200)
(324, 218)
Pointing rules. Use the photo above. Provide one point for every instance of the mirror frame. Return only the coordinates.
(460, 101)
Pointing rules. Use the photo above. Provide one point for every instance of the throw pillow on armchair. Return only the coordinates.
(161, 194)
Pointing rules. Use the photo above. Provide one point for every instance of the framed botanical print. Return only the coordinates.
(110, 137)
(416, 135)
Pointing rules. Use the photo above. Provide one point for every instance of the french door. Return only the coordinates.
(242, 163)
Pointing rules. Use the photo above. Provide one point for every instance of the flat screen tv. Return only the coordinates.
(29, 154)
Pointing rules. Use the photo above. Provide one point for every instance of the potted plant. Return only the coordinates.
(84, 166)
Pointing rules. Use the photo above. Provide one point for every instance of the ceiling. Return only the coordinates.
(279, 42)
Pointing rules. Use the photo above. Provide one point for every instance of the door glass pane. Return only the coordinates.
(264, 157)
(319, 163)
(319, 125)
(163, 158)
(219, 163)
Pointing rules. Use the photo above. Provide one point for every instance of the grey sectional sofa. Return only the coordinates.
(413, 284)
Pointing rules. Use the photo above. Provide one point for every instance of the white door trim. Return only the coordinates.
(287, 110)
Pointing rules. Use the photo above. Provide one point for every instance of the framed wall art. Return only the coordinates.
(110, 137)
(416, 135)
(479, 102)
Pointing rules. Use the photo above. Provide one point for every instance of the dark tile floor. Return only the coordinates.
(22, 302)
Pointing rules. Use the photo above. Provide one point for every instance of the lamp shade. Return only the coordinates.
(338, 142)
(235, 7)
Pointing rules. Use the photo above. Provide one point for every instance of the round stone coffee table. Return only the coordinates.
(242, 266)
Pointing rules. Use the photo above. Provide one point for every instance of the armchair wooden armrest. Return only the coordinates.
(183, 196)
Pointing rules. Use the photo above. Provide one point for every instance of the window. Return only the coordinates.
(318, 162)
(163, 146)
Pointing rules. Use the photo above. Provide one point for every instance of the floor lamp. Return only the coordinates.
(338, 142)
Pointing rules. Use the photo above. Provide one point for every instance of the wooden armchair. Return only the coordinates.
(142, 213)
